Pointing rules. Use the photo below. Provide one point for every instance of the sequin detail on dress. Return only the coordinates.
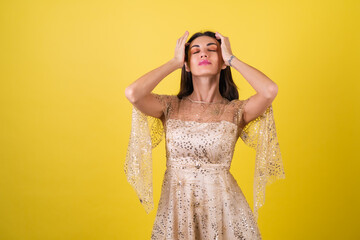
(200, 199)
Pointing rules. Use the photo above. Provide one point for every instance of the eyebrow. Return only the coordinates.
(206, 45)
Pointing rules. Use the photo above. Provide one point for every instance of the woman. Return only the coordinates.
(200, 199)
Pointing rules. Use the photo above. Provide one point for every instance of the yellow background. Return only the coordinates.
(65, 121)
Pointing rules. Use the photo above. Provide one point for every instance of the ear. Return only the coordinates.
(187, 67)
(223, 66)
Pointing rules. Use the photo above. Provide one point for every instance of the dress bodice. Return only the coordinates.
(201, 134)
(197, 143)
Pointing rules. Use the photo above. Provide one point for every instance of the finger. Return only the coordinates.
(218, 35)
(221, 36)
(183, 42)
(184, 37)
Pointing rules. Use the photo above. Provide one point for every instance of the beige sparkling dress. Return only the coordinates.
(200, 199)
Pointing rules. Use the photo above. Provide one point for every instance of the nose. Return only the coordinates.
(203, 55)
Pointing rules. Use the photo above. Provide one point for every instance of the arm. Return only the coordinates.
(139, 92)
(266, 89)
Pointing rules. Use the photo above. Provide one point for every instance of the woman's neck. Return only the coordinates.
(206, 89)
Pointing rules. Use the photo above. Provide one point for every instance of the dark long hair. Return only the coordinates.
(227, 87)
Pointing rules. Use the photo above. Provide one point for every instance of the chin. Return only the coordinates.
(205, 73)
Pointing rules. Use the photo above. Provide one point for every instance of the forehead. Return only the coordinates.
(203, 41)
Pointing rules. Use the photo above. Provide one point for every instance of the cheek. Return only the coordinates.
(193, 60)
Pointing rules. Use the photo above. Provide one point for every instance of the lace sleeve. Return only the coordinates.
(260, 134)
(146, 133)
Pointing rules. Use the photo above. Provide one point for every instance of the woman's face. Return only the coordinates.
(204, 57)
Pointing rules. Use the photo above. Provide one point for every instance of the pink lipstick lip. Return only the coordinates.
(204, 62)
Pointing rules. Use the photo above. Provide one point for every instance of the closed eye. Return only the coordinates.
(209, 50)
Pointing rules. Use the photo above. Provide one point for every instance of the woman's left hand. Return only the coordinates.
(225, 48)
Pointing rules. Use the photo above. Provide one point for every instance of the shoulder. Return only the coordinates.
(238, 103)
(165, 98)
(169, 102)
(236, 106)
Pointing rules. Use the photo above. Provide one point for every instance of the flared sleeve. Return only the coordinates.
(146, 133)
(261, 135)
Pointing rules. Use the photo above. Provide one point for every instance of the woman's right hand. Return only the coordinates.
(179, 57)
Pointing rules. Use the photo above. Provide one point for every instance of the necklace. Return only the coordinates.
(204, 101)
